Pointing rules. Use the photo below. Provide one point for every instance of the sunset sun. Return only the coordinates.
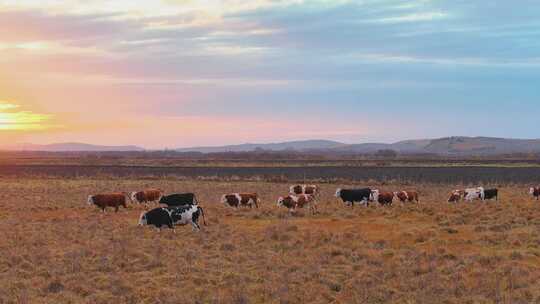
(14, 118)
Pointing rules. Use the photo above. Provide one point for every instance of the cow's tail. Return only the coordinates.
(202, 214)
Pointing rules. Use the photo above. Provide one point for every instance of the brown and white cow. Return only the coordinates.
(407, 196)
(114, 200)
(304, 189)
(146, 196)
(535, 192)
(384, 198)
(292, 202)
(241, 199)
(456, 196)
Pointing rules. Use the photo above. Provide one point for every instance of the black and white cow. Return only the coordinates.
(188, 214)
(158, 217)
(179, 199)
(171, 216)
(351, 196)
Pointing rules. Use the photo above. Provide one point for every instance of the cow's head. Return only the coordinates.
(133, 197)
(224, 199)
(374, 196)
(338, 192)
(531, 191)
(90, 200)
(291, 189)
(280, 201)
(142, 219)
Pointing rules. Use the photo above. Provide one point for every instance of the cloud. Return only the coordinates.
(419, 17)
(470, 62)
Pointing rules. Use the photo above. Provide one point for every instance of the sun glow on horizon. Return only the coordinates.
(14, 119)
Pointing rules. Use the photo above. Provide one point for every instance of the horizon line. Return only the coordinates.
(8, 146)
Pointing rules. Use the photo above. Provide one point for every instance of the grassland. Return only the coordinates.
(56, 249)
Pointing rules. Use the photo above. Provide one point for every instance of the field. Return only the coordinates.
(321, 173)
(56, 249)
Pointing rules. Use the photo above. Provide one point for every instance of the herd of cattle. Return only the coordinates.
(183, 208)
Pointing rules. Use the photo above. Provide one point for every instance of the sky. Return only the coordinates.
(180, 73)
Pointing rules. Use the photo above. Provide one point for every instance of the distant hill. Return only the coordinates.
(301, 146)
(458, 145)
(482, 145)
(71, 147)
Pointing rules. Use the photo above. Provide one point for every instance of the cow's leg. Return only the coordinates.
(195, 226)
(116, 208)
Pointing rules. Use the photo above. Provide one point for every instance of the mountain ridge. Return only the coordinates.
(480, 145)
(454, 145)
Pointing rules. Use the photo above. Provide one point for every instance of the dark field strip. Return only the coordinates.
(529, 175)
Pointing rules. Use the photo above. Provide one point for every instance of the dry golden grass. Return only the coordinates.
(56, 249)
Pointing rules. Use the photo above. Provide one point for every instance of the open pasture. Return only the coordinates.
(57, 249)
